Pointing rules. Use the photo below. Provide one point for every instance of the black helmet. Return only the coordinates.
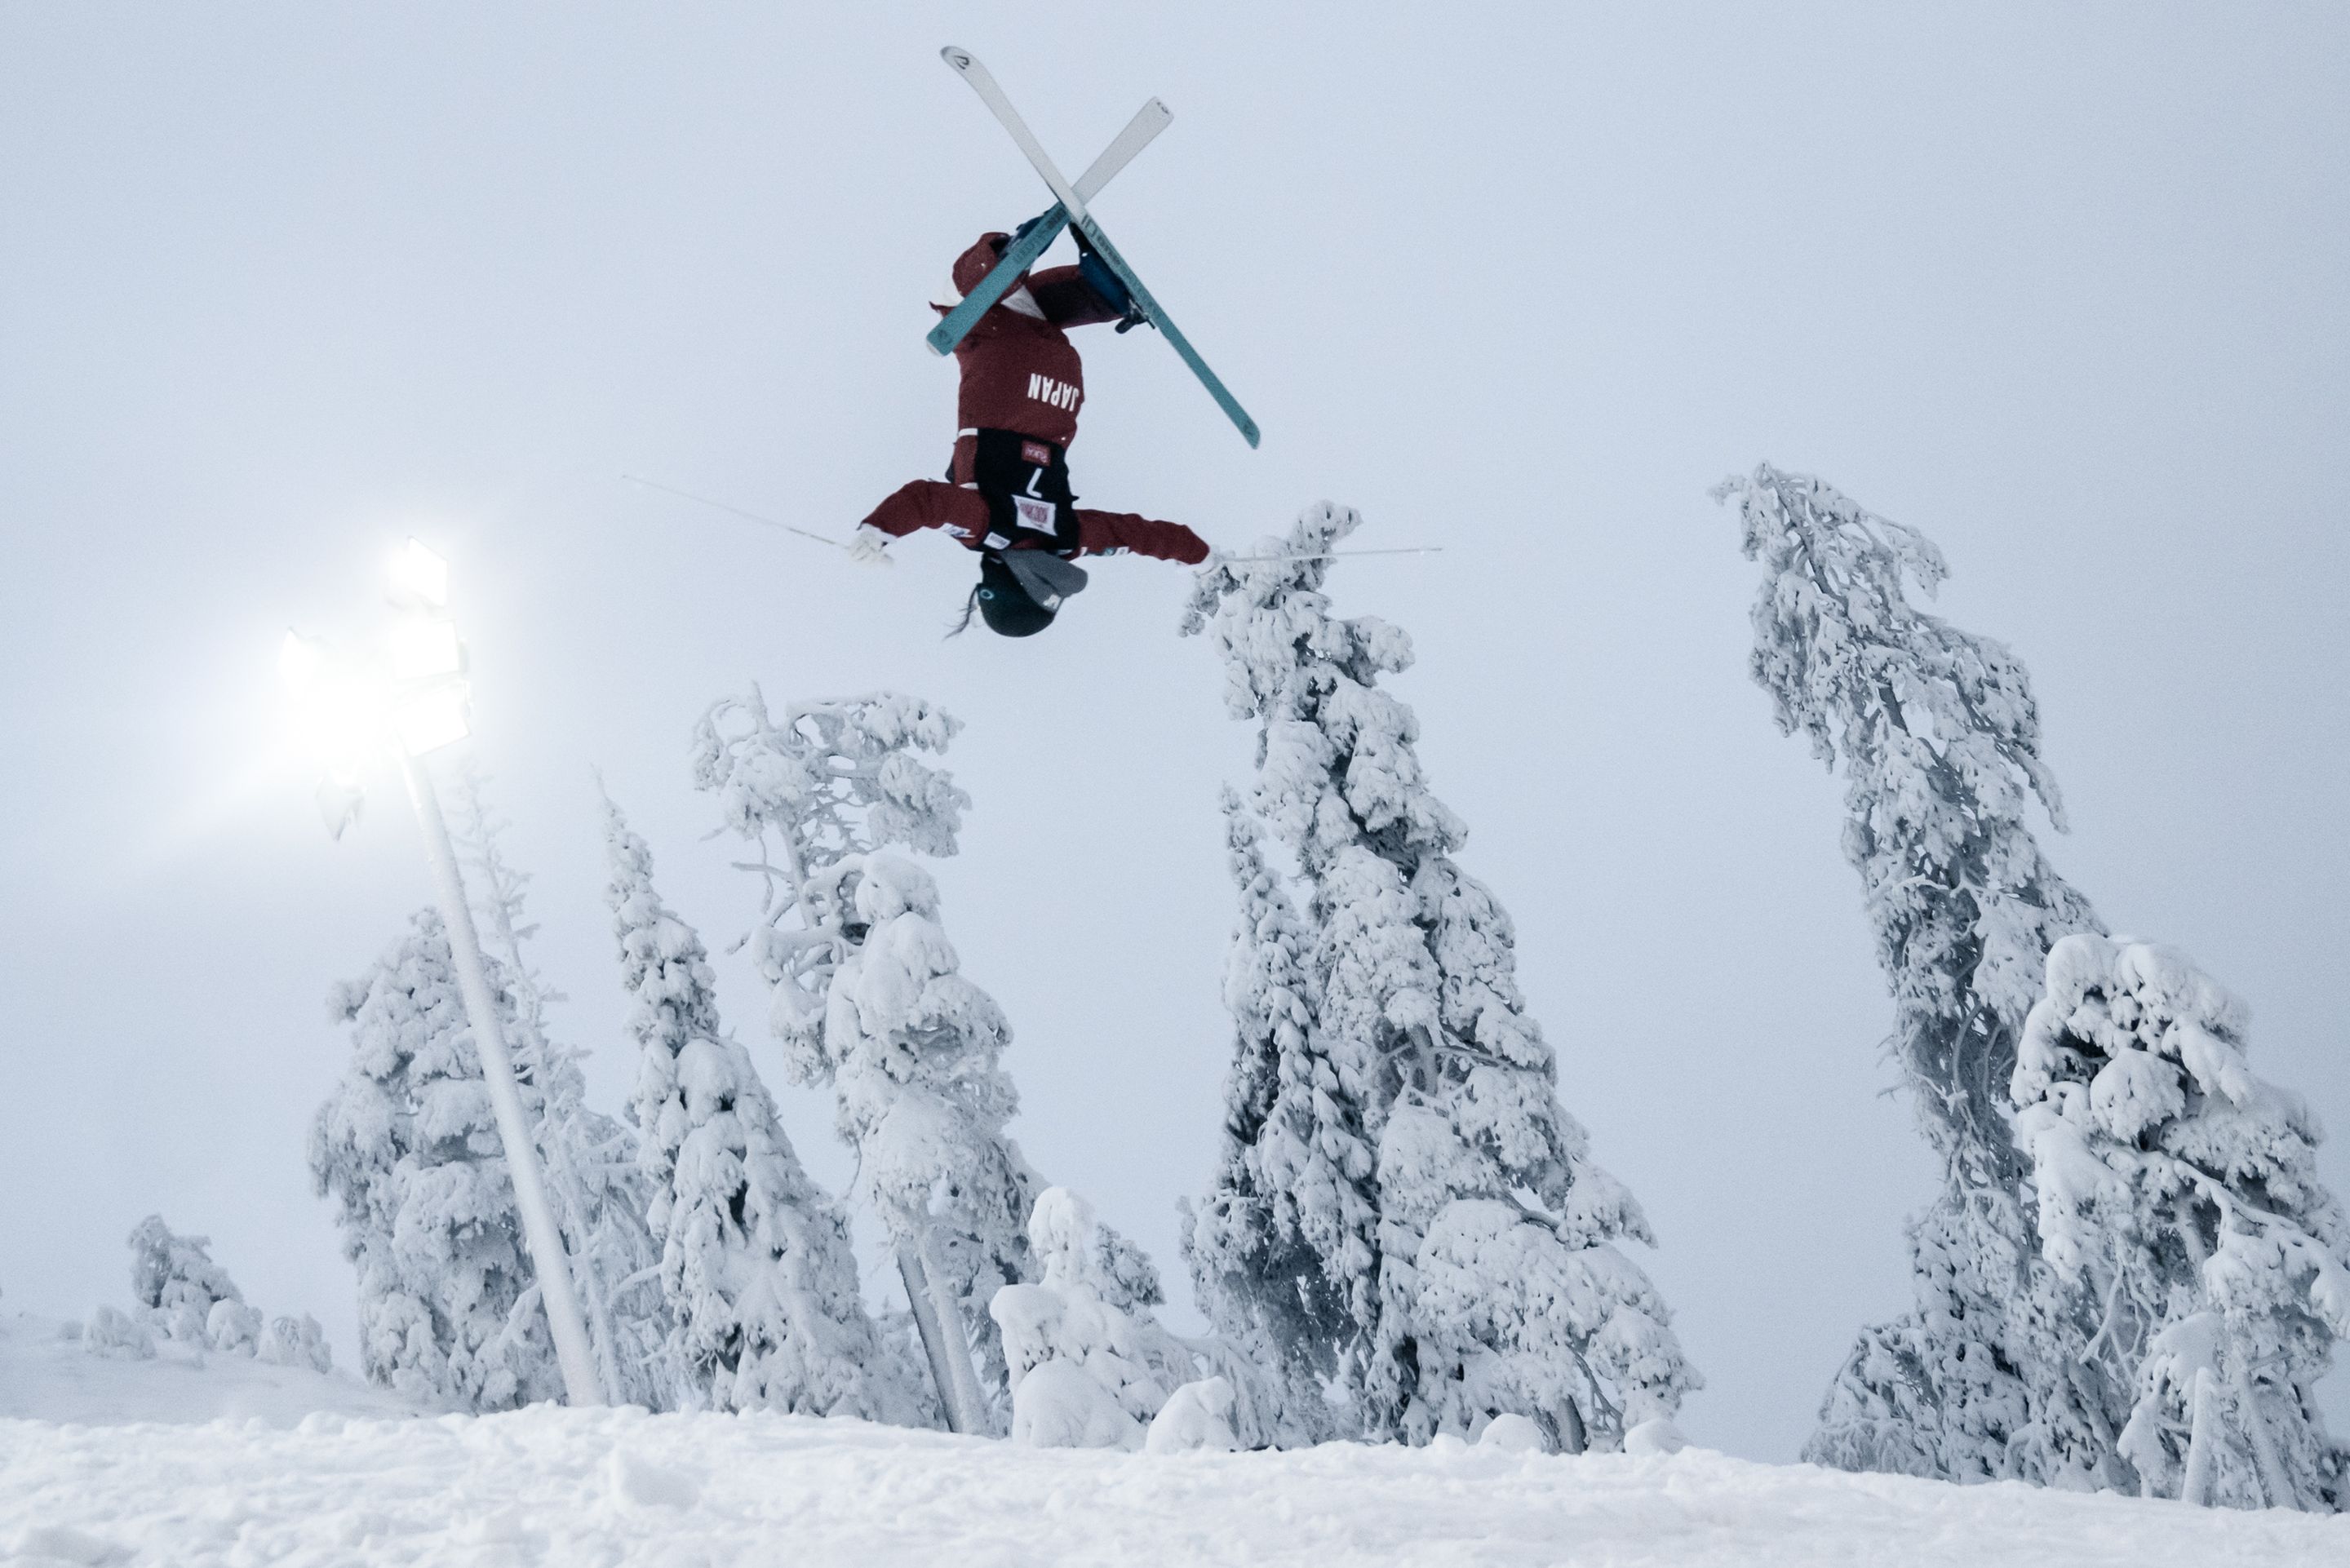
(1005, 604)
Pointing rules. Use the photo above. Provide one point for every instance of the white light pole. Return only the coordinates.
(422, 704)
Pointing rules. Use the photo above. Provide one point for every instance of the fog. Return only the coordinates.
(281, 285)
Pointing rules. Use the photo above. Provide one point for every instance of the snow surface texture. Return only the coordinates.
(1988, 1376)
(1402, 1208)
(560, 1488)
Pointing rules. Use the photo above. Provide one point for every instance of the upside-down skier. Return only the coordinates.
(1007, 494)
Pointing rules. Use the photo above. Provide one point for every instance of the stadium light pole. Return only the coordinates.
(416, 699)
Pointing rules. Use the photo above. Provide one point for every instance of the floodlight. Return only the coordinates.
(339, 801)
(301, 663)
(341, 720)
(419, 573)
(424, 649)
(415, 691)
(338, 711)
(431, 719)
(338, 732)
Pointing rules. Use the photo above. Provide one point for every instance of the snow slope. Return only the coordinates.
(608, 1487)
(47, 1376)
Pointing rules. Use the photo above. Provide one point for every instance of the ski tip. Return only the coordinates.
(1249, 433)
(959, 60)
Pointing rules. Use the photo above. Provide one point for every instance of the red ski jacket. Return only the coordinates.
(962, 511)
(1021, 372)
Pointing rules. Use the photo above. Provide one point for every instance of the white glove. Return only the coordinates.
(868, 547)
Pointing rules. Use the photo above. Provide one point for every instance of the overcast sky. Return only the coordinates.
(2063, 287)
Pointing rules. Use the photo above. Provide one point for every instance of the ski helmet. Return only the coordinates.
(1005, 602)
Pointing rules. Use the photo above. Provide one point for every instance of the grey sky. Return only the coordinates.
(2063, 287)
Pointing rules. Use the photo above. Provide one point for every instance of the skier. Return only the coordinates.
(1008, 492)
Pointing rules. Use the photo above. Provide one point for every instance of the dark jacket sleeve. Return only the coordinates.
(1067, 299)
(1104, 533)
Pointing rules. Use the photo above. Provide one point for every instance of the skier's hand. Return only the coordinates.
(1125, 309)
(868, 547)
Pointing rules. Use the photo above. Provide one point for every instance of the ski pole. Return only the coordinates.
(1334, 554)
(722, 506)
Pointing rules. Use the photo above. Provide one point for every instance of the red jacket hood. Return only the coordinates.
(975, 264)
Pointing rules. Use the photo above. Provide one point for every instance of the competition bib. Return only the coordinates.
(1034, 514)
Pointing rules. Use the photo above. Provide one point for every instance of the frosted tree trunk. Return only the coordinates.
(2203, 1445)
(943, 1342)
(2276, 1488)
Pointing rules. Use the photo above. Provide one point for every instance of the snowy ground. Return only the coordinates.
(173, 1461)
(47, 1376)
(620, 1486)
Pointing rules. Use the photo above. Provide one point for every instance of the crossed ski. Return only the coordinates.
(1069, 208)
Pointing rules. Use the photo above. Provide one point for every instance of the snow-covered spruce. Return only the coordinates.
(913, 1053)
(594, 1183)
(292, 1340)
(117, 1336)
(1086, 1371)
(178, 1289)
(868, 996)
(1493, 1282)
(2183, 1191)
(174, 1280)
(1293, 1179)
(1988, 1376)
(408, 1150)
(754, 1260)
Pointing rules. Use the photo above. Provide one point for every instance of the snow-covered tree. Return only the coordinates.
(1988, 1375)
(1089, 1367)
(1494, 1284)
(408, 1150)
(833, 781)
(2182, 1190)
(179, 1289)
(117, 1336)
(754, 1260)
(868, 996)
(594, 1183)
(291, 1341)
(1293, 1181)
(913, 1051)
(173, 1277)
